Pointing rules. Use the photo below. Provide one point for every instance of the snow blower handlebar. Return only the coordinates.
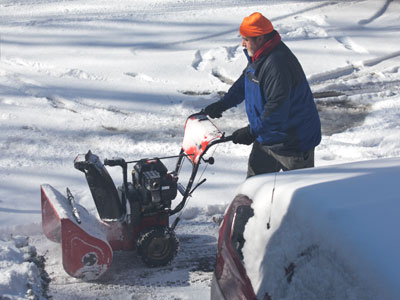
(223, 139)
(124, 165)
(119, 162)
(115, 162)
(187, 192)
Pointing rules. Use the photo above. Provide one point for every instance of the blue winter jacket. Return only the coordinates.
(279, 102)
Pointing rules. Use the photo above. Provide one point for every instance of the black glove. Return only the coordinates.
(215, 110)
(243, 136)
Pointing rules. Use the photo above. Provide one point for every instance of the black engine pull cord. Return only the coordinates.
(176, 221)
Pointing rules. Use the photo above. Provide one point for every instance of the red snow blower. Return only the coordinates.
(132, 216)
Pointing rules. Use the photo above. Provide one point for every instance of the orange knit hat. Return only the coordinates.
(255, 25)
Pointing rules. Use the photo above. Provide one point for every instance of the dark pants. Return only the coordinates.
(264, 159)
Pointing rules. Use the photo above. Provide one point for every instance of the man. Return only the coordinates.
(284, 125)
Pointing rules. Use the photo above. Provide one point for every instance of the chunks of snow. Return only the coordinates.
(20, 275)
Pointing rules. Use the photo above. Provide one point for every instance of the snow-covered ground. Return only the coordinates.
(120, 78)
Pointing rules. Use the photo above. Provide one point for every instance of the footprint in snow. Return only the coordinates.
(79, 74)
(214, 57)
(140, 76)
(349, 44)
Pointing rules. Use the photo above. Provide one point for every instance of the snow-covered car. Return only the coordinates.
(324, 233)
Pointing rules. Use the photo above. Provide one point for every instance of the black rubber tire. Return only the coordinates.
(157, 246)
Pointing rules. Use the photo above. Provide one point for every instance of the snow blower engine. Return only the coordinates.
(153, 186)
(134, 216)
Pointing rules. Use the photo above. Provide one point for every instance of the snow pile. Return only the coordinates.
(333, 232)
(22, 274)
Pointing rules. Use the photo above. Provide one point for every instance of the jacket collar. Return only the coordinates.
(247, 55)
(267, 47)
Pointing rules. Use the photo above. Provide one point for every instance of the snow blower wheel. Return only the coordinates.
(157, 246)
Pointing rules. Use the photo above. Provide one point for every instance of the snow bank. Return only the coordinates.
(333, 232)
(22, 274)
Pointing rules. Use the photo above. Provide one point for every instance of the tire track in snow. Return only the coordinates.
(378, 14)
(347, 93)
(349, 69)
(103, 118)
(51, 70)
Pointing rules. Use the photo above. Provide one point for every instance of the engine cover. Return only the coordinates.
(155, 185)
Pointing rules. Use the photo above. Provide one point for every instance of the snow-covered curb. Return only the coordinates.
(22, 274)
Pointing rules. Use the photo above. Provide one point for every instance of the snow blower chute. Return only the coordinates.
(132, 216)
